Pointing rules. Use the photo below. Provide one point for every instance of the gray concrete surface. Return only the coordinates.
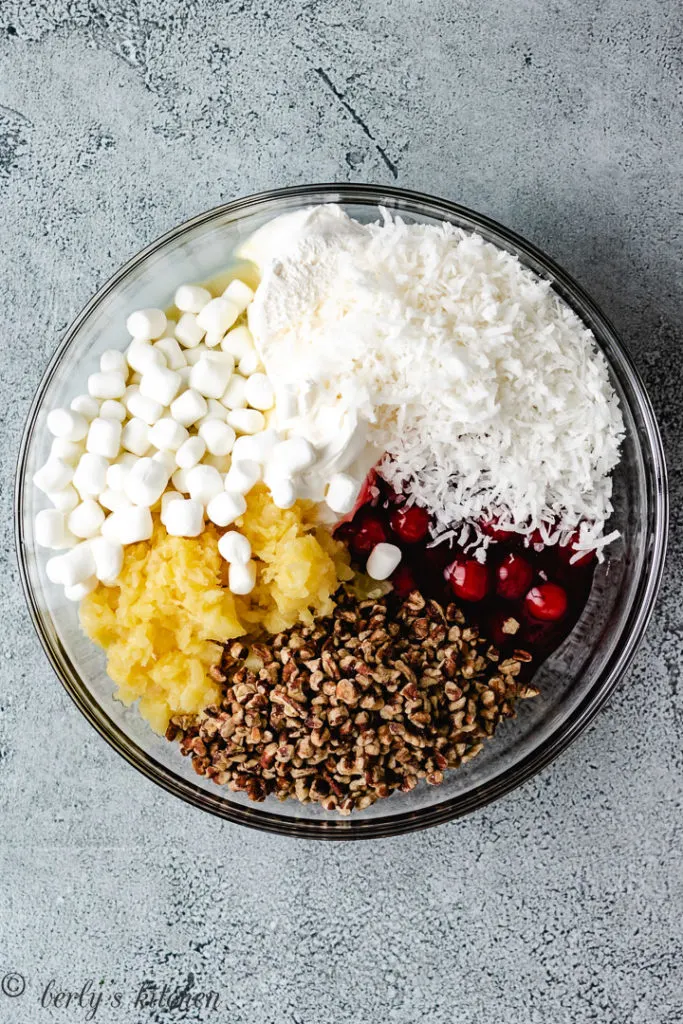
(118, 119)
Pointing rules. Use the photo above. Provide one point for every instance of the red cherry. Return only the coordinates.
(404, 581)
(491, 529)
(513, 577)
(366, 530)
(547, 602)
(468, 578)
(567, 551)
(410, 524)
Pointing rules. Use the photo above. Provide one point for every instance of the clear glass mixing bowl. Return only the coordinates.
(575, 681)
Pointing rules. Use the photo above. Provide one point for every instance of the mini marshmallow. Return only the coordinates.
(107, 385)
(212, 339)
(191, 298)
(142, 356)
(242, 476)
(80, 590)
(203, 483)
(258, 392)
(179, 480)
(119, 470)
(146, 323)
(114, 500)
(68, 451)
(129, 525)
(246, 421)
(250, 363)
(220, 462)
(283, 492)
(113, 410)
(167, 460)
(193, 355)
(108, 558)
(53, 476)
(238, 342)
(210, 376)
(90, 477)
(50, 529)
(234, 396)
(342, 493)
(146, 482)
(160, 384)
(135, 437)
(255, 447)
(104, 437)
(184, 518)
(191, 452)
(242, 578)
(188, 408)
(86, 519)
(86, 406)
(293, 455)
(67, 424)
(384, 558)
(188, 332)
(218, 315)
(217, 436)
(112, 359)
(146, 409)
(234, 547)
(166, 500)
(77, 565)
(225, 508)
(239, 293)
(54, 569)
(172, 352)
(64, 500)
(214, 411)
(168, 434)
(184, 374)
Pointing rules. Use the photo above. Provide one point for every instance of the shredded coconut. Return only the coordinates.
(488, 394)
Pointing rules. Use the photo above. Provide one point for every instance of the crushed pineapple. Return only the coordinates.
(162, 622)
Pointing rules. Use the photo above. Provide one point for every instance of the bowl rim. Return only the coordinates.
(530, 764)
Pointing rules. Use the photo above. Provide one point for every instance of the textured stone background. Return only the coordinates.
(118, 119)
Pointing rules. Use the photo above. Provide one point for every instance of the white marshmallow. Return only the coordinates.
(193, 355)
(160, 384)
(234, 396)
(64, 500)
(342, 493)
(283, 492)
(191, 298)
(67, 424)
(179, 480)
(256, 447)
(142, 356)
(238, 342)
(258, 392)
(80, 590)
(112, 359)
(68, 451)
(53, 476)
(293, 455)
(234, 547)
(113, 500)
(113, 410)
(242, 476)
(242, 578)
(215, 411)
(167, 460)
(90, 477)
(129, 525)
(220, 462)
(225, 508)
(211, 374)
(118, 471)
(108, 558)
(168, 434)
(146, 409)
(50, 529)
(184, 373)
(218, 315)
(212, 339)
(188, 407)
(384, 558)
(190, 452)
(135, 437)
(166, 500)
(86, 406)
(77, 565)
(188, 332)
(104, 437)
(172, 352)
(107, 385)
(146, 323)
(239, 293)
(86, 519)
(217, 436)
(54, 569)
(184, 518)
(169, 329)
(250, 363)
(203, 483)
(246, 421)
(146, 482)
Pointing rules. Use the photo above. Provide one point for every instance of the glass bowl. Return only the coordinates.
(575, 681)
